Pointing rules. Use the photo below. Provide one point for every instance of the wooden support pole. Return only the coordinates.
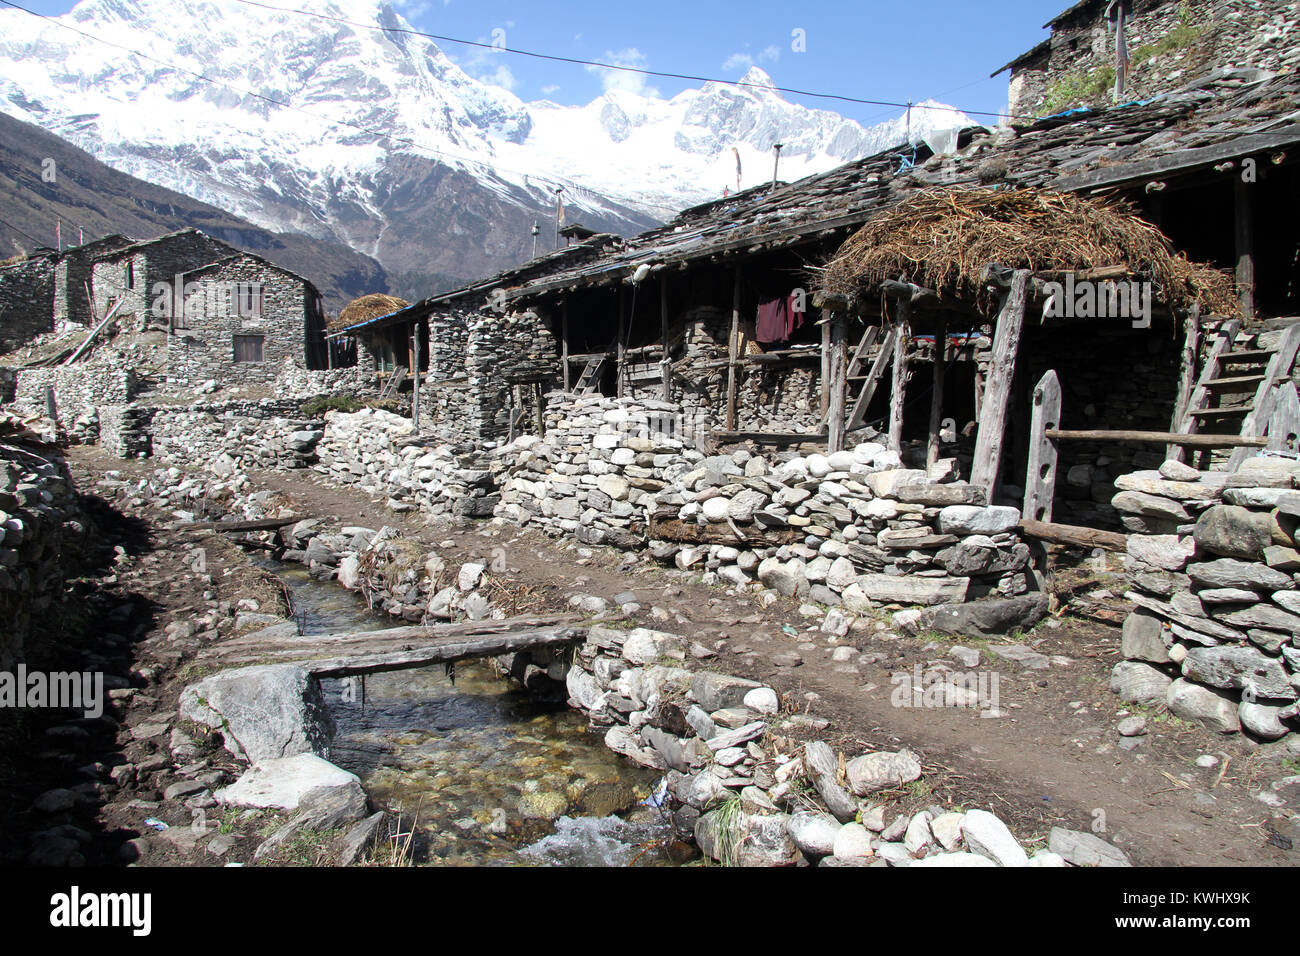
(1074, 535)
(837, 364)
(1244, 234)
(902, 339)
(1186, 377)
(1040, 474)
(997, 394)
(564, 343)
(733, 350)
(826, 365)
(415, 370)
(621, 350)
(936, 393)
(665, 363)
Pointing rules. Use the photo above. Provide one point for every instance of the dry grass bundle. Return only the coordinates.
(365, 307)
(943, 238)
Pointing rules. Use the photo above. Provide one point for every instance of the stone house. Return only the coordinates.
(1169, 42)
(26, 291)
(241, 318)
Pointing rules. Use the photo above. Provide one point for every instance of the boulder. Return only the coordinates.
(285, 782)
(988, 617)
(1239, 668)
(988, 836)
(263, 712)
(972, 519)
(1233, 532)
(1139, 683)
(1084, 849)
(882, 770)
(1212, 708)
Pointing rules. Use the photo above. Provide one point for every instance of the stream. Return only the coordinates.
(486, 773)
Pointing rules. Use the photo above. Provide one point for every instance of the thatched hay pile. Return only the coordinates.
(370, 306)
(943, 238)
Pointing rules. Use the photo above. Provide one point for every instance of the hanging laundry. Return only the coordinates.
(773, 321)
(794, 313)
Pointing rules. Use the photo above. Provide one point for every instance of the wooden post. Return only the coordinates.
(936, 394)
(1244, 232)
(539, 409)
(837, 367)
(1040, 475)
(1186, 376)
(1284, 426)
(51, 409)
(415, 371)
(826, 366)
(733, 345)
(902, 339)
(666, 362)
(564, 341)
(1002, 369)
(622, 343)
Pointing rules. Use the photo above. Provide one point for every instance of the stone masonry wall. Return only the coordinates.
(1214, 634)
(26, 292)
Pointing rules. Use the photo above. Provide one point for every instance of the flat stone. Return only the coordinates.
(1238, 668)
(1212, 708)
(1084, 849)
(1233, 532)
(1139, 683)
(283, 782)
(882, 770)
(988, 836)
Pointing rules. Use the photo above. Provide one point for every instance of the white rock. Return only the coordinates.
(987, 835)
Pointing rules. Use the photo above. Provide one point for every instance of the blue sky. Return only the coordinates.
(897, 50)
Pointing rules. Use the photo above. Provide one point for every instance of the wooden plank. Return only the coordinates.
(733, 343)
(826, 366)
(258, 524)
(621, 344)
(1200, 397)
(1279, 368)
(415, 382)
(936, 390)
(1190, 441)
(444, 652)
(1186, 376)
(94, 332)
(1002, 369)
(1284, 426)
(1040, 474)
(899, 383)
(564, 342)
(1074, 535)
(838, 364)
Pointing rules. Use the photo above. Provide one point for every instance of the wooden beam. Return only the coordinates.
(665, 363)
(769, 438)
(564, 343)
(1002, 370)
(1186, 377)
(1260, 415)
(1074, 535)
(826, 362)
(1284, 426)
(936, 390)
(838, 365)
(259, 524)
(1243, 221)
(621, 346)
(1159, 438)
(902, 338)
(443, 652)
(733, 345)
(415, 370)
(1040, 474)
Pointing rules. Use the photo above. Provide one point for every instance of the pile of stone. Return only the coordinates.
(381, 453)
(853, 528)
(749, 795)
(41, 528)
(181, 435)
(295, 381)
(124, 430)
(1217, 593)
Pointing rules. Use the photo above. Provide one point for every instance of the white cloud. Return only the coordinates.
(549, 89)
(621, 79)
(770, 54)
(413, 9)
(738, 61)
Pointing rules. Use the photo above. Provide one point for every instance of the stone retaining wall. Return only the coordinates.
(1218, 595)
(78, 390)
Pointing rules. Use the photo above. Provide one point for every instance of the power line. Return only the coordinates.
(22, 232)
(607, 66)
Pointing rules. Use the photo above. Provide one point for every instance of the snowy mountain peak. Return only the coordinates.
(756, 76)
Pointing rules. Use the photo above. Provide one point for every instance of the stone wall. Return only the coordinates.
(853, 528)
(1218, 595)
(26, 294)
(380, 453)
(1217, 33)
(227, 438)
(500, 352)
(78, 390)
(295, 380)
(40, 530)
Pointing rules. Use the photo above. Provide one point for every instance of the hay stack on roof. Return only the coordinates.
(366, 307)
(942, 239)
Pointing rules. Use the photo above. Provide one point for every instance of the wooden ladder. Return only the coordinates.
(862, 387)
(394, 382)
(1240, 385)
(589, 380)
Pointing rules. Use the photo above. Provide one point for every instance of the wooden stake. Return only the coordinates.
(1040, 474)
(732, 350)
(665, 363)
(902, 338)
(826, 367)
(415, 370)
(621, 351)
(997, 393)
(936, 393)
(564, 342)
(838, 369)
(1244, 233)
(1186, 376)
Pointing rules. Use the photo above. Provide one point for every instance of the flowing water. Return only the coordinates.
(487, 773)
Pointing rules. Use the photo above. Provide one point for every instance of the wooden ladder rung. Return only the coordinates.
(1234, 380)
(1219, 412)
(1250, 355)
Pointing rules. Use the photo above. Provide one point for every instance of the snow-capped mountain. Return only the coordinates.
(385, 143)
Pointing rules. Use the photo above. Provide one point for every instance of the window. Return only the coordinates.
(130, 274)
(248, 348)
